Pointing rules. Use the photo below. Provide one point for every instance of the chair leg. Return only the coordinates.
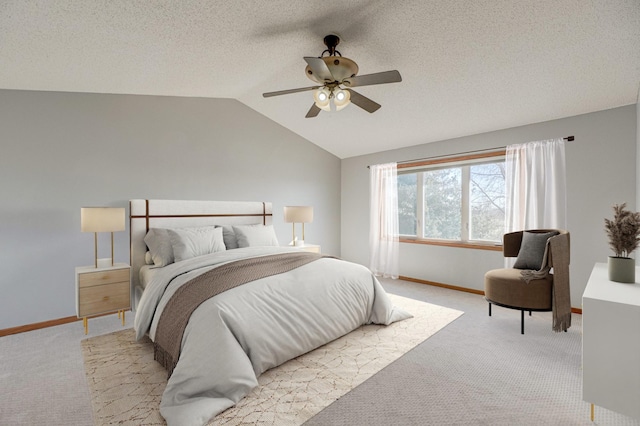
(522, 321)
(489, 308)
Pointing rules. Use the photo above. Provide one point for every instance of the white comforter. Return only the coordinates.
(237, 335)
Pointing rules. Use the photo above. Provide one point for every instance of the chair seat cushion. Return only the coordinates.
(506, 287)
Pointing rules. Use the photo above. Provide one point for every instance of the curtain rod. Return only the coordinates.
(566, 138)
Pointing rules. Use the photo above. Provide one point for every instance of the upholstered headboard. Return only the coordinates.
(146, 214)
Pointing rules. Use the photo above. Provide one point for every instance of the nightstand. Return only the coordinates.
(313, 248)
(102, 290)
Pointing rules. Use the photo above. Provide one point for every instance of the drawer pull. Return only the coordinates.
(105, 299)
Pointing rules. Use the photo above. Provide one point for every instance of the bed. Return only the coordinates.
(281, 302)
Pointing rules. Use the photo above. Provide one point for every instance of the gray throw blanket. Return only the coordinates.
(176, 314)
(556, 256)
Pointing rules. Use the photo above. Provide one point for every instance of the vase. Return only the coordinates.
(622, 269)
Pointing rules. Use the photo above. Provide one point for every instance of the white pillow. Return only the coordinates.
(255, 235)
(192, 242)
(157, 239)
(148, 259)
(229, 237)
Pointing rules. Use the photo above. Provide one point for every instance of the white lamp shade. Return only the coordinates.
(342, 99)
(298, 214)
(321, 97)
(102, 219)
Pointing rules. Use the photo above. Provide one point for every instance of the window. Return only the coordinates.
(453, 200)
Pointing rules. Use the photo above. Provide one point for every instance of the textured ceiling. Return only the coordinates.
(468, 66)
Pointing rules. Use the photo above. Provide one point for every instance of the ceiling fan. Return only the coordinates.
(336, 76)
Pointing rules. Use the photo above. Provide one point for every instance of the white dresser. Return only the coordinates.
(611, 343)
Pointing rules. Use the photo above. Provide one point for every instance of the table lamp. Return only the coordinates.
(102, 219)
(298, 214)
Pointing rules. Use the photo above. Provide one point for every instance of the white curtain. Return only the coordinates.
(384, 242)
(536, 186)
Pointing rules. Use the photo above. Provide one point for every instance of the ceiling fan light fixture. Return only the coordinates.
(341, 99)
(332, 74)
(321, 97)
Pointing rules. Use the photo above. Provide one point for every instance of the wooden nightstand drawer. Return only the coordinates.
(102, 290)
(104, 298)
(103, 277)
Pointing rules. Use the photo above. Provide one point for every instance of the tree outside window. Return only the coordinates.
(407, 203)
(442, 203)
(464, 202)
(486, 202)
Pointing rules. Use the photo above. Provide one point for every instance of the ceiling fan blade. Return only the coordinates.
(319, 68)
(363, 102)
(286, 92)
(313, 111)
(370, 79)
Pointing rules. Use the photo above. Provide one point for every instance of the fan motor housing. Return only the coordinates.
(339, 66)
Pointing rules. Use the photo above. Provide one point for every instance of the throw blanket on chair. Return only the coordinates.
(556, 256)
(186, 299)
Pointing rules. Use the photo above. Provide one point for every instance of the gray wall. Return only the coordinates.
(601, 171)
(63, 151)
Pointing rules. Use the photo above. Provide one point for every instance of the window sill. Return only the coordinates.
(477, 246)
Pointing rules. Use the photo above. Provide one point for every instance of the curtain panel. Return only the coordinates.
(384, 238)
(536, 186)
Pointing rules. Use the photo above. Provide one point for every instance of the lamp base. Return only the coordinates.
(296, 242)
(104, 263)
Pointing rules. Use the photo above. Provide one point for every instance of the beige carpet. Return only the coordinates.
(126, 383)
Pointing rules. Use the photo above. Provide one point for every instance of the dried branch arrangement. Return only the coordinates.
(623, 231)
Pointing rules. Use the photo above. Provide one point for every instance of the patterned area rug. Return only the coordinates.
(126, 383)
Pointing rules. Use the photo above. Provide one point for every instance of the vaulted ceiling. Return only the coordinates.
(467, 66)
